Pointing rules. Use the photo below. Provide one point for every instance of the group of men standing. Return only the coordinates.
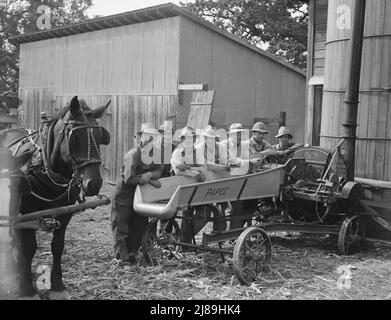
(194, 155)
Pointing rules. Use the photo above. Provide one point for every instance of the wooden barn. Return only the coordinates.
(140, 60)
(330, 28)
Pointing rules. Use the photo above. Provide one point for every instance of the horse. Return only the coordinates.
(65, 169)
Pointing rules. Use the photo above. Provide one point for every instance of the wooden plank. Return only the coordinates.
(83, 57)
(233, 88)
(108, 61)
(137, 57)
(200, 109)
(193, 87)
(69, 67)
(248, 88)
(159, 53)
(203, 47)
(127, 63)
(187, 63)
(117, 61)
(172, 57)
(130, 123)
(187, 51)
(320, 54)
(147, 58)
(59, 66)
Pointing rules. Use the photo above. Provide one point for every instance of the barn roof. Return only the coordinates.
(142, 15)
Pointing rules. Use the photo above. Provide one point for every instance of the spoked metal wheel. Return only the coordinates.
(352, 235)
(157, 244)
(252, 252)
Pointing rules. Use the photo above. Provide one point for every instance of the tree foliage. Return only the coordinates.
(20, 16)
(279, 25)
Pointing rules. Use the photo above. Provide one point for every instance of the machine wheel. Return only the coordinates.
(157, 242)
(252, 252)
(351, 235)
(302, 211)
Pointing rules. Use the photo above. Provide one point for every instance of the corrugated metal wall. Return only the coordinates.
(373, 154)
(247, 84)
(136, 66)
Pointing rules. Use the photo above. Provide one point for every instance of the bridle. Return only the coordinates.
(81, 162)
(68, 132)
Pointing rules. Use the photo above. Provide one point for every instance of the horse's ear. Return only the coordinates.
(99, 112)
(74, 107)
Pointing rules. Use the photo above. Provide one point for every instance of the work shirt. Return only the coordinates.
(288, 150)
(133, 167)
(257, 147)
(196, 162)
(131, 170)
(236, 154)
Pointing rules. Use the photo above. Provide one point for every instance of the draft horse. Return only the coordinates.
(67, 170)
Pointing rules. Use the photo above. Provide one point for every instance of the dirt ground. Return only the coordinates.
(301, 268)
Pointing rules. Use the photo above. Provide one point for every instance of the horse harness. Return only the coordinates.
(47, 152)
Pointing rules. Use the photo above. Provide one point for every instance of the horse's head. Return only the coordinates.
(76, 151)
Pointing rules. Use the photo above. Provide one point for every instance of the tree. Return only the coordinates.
(280, 26)
(20, 17)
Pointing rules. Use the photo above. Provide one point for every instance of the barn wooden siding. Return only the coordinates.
(135, 66)
(137, 59)
(247, 84)
(123, 119)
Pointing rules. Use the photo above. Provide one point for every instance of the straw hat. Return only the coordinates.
(236, 127)
(148, 128)
(284, 131)
(259, 127)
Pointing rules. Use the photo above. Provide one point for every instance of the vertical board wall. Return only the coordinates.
(135, 66)
(247, 84)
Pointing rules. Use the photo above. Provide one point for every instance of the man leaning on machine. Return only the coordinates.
(128, 226)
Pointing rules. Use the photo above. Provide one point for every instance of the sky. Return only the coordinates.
(108, 7)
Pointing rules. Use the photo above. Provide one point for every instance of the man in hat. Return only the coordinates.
(207, 144)
(234, 151)
(259, 147)
(137, 169)
(285, 146)
(186, 160)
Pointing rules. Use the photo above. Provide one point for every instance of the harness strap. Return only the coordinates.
(56, 147)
